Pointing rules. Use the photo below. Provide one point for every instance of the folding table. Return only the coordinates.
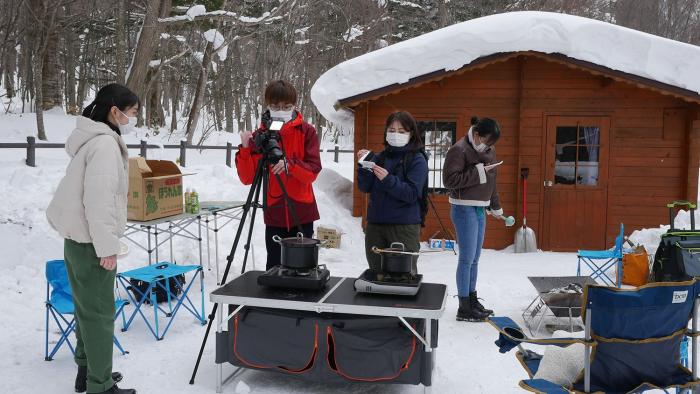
(339, 297)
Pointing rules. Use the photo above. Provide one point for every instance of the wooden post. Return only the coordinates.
(183, 153)
(144, 150)
(336, 154)
(229, 147)
(31, 151)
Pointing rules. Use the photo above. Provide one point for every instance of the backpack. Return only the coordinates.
(678, 255)
(423, 199)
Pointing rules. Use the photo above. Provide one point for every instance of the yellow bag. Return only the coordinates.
(635, 267)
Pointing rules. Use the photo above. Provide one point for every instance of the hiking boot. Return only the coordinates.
(117, 390)
(81, 379)
(474, 300)
(467, 313)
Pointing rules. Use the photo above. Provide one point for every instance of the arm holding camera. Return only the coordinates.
(246, 159)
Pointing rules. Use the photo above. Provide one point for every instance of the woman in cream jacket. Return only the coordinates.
(89, 211)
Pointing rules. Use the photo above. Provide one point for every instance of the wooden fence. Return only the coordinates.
(31, 146)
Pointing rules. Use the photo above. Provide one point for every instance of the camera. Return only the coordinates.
(268, 141)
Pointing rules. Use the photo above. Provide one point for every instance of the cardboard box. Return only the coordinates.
(155, 189)
(331, 236)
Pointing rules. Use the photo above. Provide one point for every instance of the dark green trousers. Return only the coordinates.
(93, 296)
(382, 235)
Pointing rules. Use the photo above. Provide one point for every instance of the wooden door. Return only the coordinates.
(576, 180)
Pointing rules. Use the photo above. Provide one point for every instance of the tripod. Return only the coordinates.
(260, 181)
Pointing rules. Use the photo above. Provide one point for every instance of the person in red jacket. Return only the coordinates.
(299, 142)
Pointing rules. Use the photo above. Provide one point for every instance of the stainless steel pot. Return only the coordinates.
(395, 259)
(298, 252)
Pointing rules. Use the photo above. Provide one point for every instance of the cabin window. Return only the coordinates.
(576, 155)
(439, 136)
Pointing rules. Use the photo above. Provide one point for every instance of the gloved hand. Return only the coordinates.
(496, 212)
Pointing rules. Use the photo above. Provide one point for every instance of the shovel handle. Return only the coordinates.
(524, 172)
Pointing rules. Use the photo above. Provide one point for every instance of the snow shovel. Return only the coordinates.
(525, 241)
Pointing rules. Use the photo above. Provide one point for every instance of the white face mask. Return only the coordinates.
(478, 148)
(284, 116)
(126, 129)
(397, 139)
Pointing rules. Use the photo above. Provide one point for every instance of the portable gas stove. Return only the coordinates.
(295, 278)
(386, 283)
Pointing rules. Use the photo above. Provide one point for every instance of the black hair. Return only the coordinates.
(112, 95)
(280, 91)
(487, 128)
(408, 122)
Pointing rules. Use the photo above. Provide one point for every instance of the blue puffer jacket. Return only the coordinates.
(395, 200)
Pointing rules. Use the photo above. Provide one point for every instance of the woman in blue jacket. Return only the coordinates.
(395, 185)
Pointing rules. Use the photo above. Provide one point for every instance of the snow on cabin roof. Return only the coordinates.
(453, 47)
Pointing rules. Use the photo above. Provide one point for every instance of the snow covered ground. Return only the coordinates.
(467, 359)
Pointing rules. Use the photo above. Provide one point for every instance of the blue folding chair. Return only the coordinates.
(633, 340)
(600, 261)
(59, 304)
(158, 277)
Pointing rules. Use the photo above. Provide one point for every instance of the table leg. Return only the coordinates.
(220, 367)
(155, 234)
(430, 354)
(216, 248)
(206, 221)
(170, 234)
(199, 230)
(148, 231)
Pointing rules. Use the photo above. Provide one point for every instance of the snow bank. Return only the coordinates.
(453, 47)
(650, 237)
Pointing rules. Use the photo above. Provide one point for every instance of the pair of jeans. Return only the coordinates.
(469, 224)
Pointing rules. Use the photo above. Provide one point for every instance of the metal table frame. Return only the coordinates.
(230, 211)
(177, 226)
(322, 307)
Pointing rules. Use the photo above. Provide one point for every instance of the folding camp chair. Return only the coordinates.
(600, 261)
(158, 277)
(634, 335)
(59, 303)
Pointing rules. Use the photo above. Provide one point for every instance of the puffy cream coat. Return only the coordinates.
(89, 205)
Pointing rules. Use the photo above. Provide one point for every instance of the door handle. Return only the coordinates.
(548, 183)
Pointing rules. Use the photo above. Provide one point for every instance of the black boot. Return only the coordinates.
(474, 300)
(117, 390)
(81, 379)
(467, 313)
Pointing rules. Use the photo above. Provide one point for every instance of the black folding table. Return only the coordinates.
(338, 297)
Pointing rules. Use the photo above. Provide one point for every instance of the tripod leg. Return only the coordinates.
(250, 230)
(442, 226)
(250, 203)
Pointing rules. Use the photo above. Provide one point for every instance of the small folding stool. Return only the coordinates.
(159, 276)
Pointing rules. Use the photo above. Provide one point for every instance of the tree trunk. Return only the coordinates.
(51, 75)
(70, 41)
(121, 52)
(199, 93)
(145, 47)
(9, 73)
(39, 95)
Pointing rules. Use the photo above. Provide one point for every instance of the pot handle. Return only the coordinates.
(277, 239)
(376, 250)
(403, 247)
